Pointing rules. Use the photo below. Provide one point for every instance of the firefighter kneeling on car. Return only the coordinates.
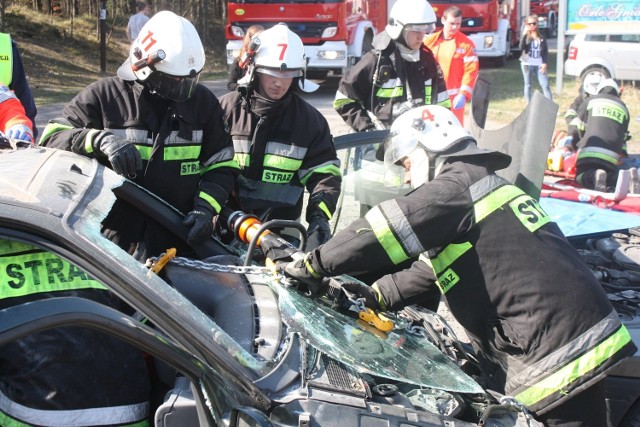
(541, 324)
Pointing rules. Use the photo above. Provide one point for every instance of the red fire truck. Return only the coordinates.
(547, 12)
(493, 25)
(335, 33)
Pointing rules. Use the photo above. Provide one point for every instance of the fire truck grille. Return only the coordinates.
(306, 30)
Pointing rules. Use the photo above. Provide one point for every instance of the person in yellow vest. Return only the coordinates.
(67, 376)
(13, 76)
(456, 54)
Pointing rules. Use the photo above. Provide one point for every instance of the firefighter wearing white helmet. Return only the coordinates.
(168, 56)
(589, 87)
(496, 257)
(153, 123)
(410, 15)
(398, 74)
(423, 138)
(591, 82)
(600, 132)
(280, 54)
(282, 143)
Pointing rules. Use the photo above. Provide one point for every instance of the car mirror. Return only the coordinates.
(244, 416)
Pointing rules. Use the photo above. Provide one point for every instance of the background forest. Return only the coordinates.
(60, 40)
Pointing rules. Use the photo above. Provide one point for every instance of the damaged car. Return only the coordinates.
(228, 342)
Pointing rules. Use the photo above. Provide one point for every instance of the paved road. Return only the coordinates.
(322, 99)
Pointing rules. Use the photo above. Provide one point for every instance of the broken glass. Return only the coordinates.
(397, 355)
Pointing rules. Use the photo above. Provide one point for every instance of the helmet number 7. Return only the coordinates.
(284, 49)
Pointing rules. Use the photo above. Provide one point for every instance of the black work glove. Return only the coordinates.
(123, 155)
(318, 232)
(371, 296)
(301, 271)
(200, 219)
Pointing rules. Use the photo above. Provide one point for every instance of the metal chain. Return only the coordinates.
(510, 400)
(219, 268)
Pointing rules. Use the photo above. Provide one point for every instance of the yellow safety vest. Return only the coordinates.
(6, 59)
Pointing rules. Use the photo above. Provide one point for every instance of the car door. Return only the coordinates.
(43, 346)
(625, 55)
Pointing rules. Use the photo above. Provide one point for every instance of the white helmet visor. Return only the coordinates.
(398, 145)
(281, 74)
(176, 88)
(421, 28)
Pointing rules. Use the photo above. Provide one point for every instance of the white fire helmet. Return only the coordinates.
(608, 86)
(168, 55)
(280, 54)
(428, 135)
(418, 14)
(591, 82)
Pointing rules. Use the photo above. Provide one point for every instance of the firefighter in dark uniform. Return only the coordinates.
(600, 134)
(281, 142)
(589, 87)
(44, 376)
(156, 125)
(398, 74)
(545, 337)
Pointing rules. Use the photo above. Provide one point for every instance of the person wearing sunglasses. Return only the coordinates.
(534, 58)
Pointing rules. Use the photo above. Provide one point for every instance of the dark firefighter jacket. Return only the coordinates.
(600, 132)
(388, 97)
(282, 147)
(71, 376)
(185, 149)
(531, 307)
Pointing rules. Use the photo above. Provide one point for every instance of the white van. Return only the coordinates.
(611, 55)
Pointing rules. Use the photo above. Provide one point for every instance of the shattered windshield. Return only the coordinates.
(396, 355)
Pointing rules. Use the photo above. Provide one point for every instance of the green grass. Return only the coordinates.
(62, 56)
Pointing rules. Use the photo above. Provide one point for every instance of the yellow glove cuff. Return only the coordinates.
(379, 298)
(310, 269)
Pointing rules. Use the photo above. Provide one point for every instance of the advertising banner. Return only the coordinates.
(603, 16)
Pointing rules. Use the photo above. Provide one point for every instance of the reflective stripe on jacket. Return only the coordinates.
(187, 154)
(357, 94)
(602, 124)
(510, 277)
(68, 376)
(27, 270)
(6, 60)
(184, 145)
(280, 152)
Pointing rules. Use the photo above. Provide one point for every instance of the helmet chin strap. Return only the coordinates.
(424, 168)
(410, 55)
(420, 170)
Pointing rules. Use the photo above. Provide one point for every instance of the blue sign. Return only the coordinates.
(603, 16)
